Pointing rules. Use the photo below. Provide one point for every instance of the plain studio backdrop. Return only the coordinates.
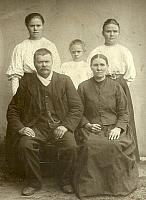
(66, 20)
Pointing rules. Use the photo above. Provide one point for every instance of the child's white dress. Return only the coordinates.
(77, 71)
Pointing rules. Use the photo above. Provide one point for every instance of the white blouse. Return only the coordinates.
(77, 71)
(22, 57)
(120, 60)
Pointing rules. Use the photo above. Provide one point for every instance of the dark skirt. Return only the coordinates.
(125, 87)
(106, 167)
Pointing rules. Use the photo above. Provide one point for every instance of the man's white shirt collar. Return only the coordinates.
(45, 81)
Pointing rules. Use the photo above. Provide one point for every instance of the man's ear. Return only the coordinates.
(103, 33)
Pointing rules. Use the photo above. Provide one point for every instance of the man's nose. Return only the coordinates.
(111, 33)
(44, 64)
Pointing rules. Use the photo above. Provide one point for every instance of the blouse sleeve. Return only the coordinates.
(130, 73)
(16, 66)
(15, 84)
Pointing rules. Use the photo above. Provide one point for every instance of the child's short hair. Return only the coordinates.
(77, 41)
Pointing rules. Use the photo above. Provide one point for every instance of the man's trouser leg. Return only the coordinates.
(67, 159)
(28, 152)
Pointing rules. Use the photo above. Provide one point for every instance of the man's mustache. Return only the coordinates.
(42, 69)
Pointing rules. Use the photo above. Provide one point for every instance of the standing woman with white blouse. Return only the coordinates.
(121, 64)
(22, 56)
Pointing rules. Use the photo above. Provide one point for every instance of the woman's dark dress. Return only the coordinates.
(125, 87)
(105, 167)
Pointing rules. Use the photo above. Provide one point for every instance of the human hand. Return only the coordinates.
(27, 131)
(59, 132)
(94, 128)
(114, 133)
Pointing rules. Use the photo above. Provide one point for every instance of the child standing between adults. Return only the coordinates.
(77, 69)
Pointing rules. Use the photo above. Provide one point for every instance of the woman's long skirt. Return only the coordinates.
(106, 167)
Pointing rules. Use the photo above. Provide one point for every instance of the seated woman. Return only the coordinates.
(106, 164)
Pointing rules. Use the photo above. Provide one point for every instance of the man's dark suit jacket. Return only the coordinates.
(24, 108)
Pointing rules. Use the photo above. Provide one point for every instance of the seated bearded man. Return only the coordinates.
(46, 108)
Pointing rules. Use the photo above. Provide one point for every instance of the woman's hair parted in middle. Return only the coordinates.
(29, 17)
(99, 56)
(110, 21)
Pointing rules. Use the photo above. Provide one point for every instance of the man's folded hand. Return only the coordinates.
(59, 132)
(27, 131)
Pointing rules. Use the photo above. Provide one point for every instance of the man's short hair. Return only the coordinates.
(42, 52)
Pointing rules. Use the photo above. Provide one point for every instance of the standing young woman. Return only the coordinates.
(119, 57)
(121, 65)
(22, 57)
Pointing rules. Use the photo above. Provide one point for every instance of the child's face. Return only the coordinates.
(77, 52)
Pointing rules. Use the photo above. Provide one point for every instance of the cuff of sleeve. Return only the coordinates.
(68, 127)
(83, 122)
(21, 130)
(122, 126)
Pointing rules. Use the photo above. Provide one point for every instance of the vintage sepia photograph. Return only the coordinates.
(72, 99)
